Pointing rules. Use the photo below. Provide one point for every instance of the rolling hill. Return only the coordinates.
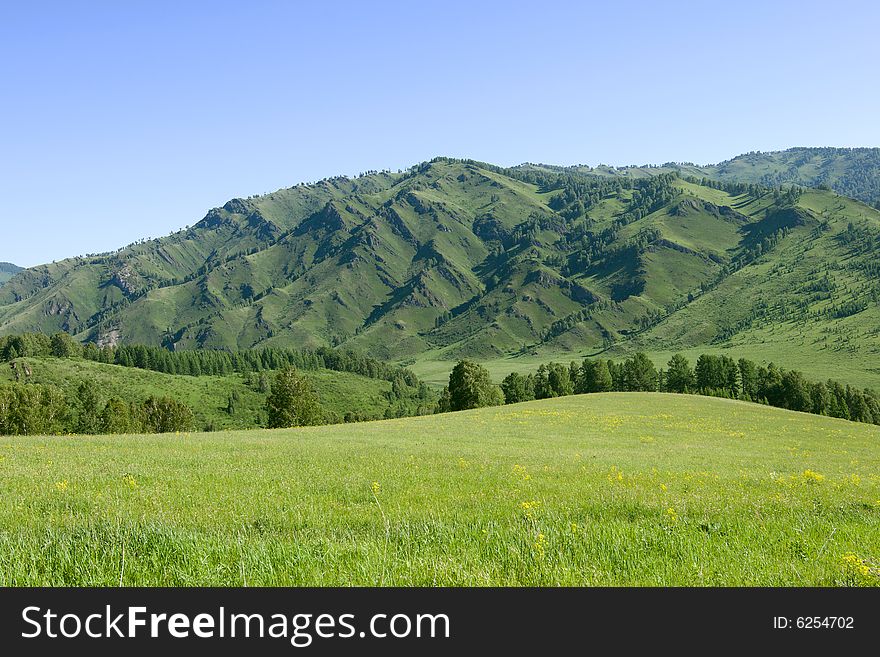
(7, 271)
(605, 489)
(853, 172)
(455, 259)
(232, 401)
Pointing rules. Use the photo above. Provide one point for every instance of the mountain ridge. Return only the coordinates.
(458, 258)
(853, 172)
(7, 271)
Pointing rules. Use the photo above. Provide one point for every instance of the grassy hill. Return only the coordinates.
(7, 271)
(610, 489)
(457, 259)
(853, 172)
(208, 396)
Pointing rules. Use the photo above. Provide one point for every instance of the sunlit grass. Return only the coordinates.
(613, 489)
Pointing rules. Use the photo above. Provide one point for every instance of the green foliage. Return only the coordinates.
(559, 380)
(62, 345)
(22, 346)
(345, 397)
(89, 408)
(471, 387)
(459, 259)
(594, 377)
(714, 375)
(7, 271)
(853, 172)
(640, 374)
(118, 416)
(32, 409)
(166, 415)
(717, 374)
(679, 375)
(292, 403)
(518, 388)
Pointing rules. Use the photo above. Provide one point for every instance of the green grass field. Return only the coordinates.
(611, 489)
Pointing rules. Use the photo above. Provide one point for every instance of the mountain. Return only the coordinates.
(7, 271)
(853, 172)
(456, 259)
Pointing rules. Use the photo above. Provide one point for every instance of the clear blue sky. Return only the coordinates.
(123, 120)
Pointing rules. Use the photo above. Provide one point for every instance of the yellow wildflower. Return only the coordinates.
(539, 545)
(529, 509)
(520, 471)
(853, 564)
(813, 477)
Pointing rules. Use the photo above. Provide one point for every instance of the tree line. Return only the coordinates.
(28, 407)
(45, 409)
(712, 375)
(204, 362)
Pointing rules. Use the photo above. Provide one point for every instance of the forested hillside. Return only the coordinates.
(54, 385)
(454, 259)
(853, 172)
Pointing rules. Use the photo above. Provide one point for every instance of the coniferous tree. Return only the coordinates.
(796, 391)
(64, 346)
(820, 398)
(444, 404)
(748, 376)
(618, 376)
(559, 380)
(602, 379)
(679, 376)
(640, 375)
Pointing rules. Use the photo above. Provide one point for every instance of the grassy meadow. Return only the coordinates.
(605, 489)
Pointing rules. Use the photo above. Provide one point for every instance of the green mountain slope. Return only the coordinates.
(853, 172)
(811, 302)
(7, 271)
(459, 259)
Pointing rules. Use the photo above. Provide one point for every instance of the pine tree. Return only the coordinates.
(679, 376)
(640, 375)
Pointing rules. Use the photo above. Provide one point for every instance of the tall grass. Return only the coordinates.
(612, 489)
